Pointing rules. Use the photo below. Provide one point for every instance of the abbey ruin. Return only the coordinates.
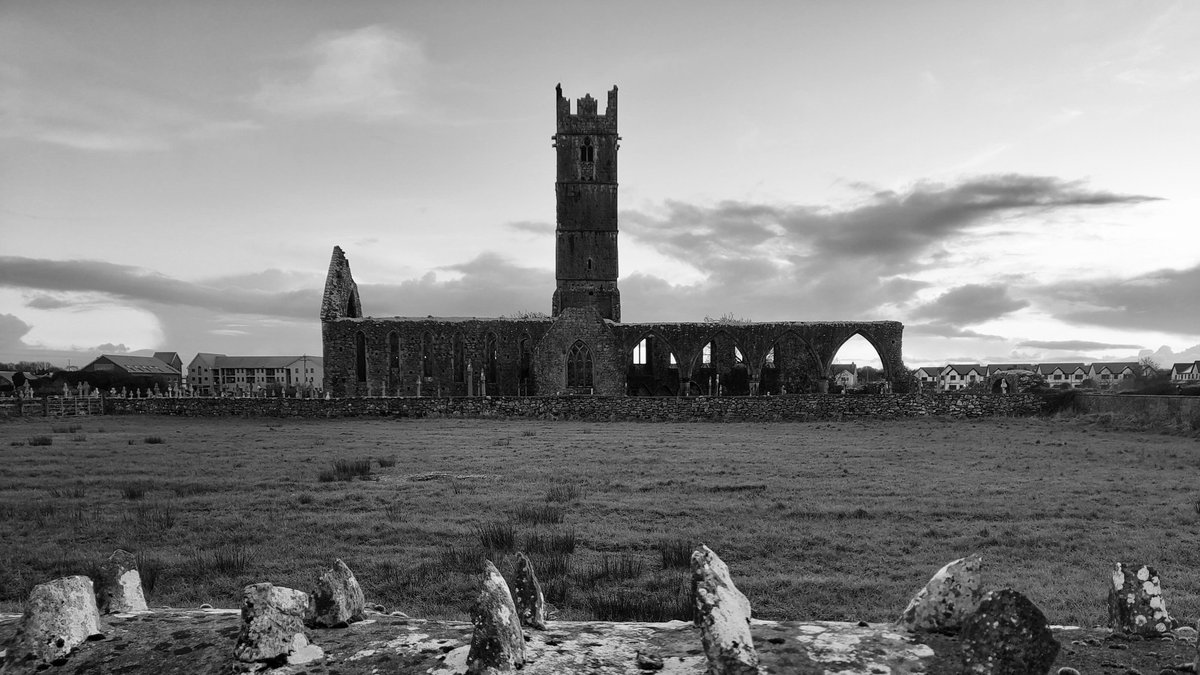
(582, 347)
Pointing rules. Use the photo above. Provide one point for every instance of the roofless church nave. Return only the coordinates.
(583, 347)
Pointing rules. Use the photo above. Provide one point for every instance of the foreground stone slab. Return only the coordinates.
(497, 644)
(59, 616)
(1135, 602)
(1007, 635)
(199, 642)
(949, 597)
(527, 592)
(272, 631)
(723, 615)
(338, 600)
(119, 588)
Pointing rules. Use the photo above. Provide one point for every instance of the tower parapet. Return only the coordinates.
(586, 190)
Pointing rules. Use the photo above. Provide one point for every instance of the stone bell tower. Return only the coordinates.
(586, 197)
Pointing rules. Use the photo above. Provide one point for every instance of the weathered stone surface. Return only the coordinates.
(338, 600)
(119, 588)
(949, 597)
(273, 626)
(1135, 602)
(497, 644)
(1007, 635)
(723, 614)
(527, 592)
(59, 616)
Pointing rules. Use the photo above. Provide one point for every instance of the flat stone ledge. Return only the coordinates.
(194, 641)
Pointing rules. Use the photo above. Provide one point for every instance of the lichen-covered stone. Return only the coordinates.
(272, 632)
(338, 600)
(949, 597)
(119, 588)
(1135, 602)
(59, 616)
(527, 592)
(723, 614)
(497, 644)
(1007, 635)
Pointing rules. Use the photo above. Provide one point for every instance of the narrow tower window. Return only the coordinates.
(587, 152)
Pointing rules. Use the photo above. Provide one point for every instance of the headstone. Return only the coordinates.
(531, 604)
(119, 587)
(59, 616)
(497, 644)
(338, 600)
(1135, 602)
(723, 614)
(949, 597)
(273, 627)
(1007, 635)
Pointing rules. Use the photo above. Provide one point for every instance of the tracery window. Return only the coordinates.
(579, 365)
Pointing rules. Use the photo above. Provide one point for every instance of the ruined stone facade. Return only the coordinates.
(582, 347)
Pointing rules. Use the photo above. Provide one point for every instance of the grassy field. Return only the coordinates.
(816, 521)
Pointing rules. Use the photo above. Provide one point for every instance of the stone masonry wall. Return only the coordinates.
(1170, 411)
(805, 407)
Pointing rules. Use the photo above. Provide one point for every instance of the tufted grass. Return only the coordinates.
(841, 521)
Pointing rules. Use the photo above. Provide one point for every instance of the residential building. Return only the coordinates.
(144, 370)
(1113, 374)
(927, 378)
(1062, 375)
(960, 376)
(845, 375)
(217, 374)
(1186, 373)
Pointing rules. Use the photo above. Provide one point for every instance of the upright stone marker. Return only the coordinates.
(1135, 602)
(59, 616)
(339, 599)
(273, 627)
(531, 604)
(497, 645)
(119, 587)
(949, 597)
(723, 614)
(1007, 635)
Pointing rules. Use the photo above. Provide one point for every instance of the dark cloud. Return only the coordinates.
(1164, 300)
(486, 286)
(1074, 345)
(12, 329)
(970, 304)
(43, 301)
(945, 329)
(110, 348)
(534, 226)
(141, 286)
(808, 262)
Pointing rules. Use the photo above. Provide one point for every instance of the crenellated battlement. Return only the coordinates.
(586, 119)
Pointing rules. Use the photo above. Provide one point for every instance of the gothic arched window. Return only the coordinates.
(579, 365)
(427, 355)
(360, 357)
(394, 350)
(490, 357)
(459, 365)
(587, 152)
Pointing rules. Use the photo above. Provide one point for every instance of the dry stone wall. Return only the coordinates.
(793, 408)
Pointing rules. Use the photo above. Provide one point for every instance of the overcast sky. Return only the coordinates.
(1014, 181)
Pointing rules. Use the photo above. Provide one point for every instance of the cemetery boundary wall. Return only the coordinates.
(803, 407)
(1176, 412)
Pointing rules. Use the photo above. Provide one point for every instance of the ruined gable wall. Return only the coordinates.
(609, 359)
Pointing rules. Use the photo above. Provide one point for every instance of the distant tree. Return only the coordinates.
(526, 314)
(729, 319)
(31, 366)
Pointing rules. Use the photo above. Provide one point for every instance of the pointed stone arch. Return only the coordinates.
(726, 371)
(653, 365)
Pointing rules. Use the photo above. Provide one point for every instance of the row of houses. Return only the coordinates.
(216, 374)
(1099, 375)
